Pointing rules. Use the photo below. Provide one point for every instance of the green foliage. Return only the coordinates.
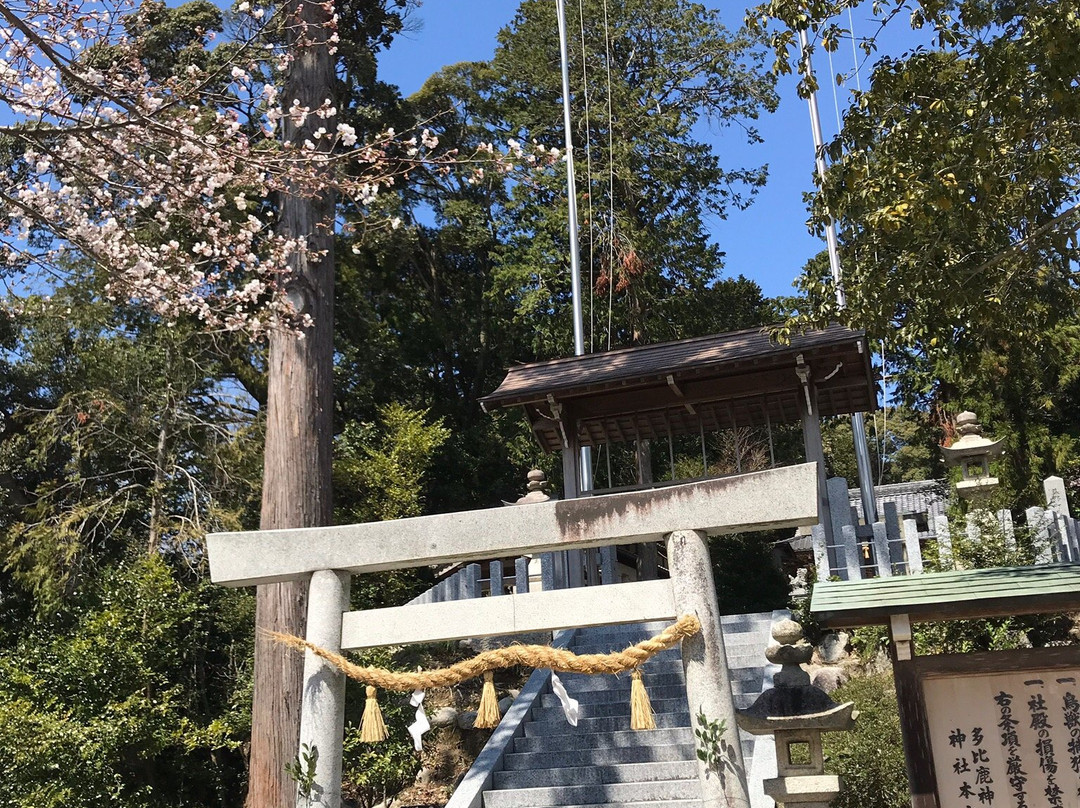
(870, 758)
(167, 39)
(304, 768)
(747, 578)
(1027, 393)
(991, 549)
(710, 738)
(672, 64)
(381, 467)
(135, 695)
(903, 448)
(955, 165)
(373, 772)
(645, 247)
(417, 326)
(124, 675)
(431, 315)
(130, 437)
(954, 183)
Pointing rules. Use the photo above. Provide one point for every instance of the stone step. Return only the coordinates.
(578, 682)
(602, 763)
(615, 646)
(604, 740)
(746, 622)
(664, 804)
(667, 668)
(534, 729)
(611, 689)
(615, 694)
(607, 709)
(581, 775)
(752, 647)
(599, 757)
(660, 662)
(658, 791)
(734, 623)
(645, 629)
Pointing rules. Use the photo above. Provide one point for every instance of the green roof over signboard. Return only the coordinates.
(957, 595)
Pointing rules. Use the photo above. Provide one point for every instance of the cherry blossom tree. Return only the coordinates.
(165, 181)
(200, 179)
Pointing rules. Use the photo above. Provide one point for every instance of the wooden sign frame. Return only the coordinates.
(911, 676)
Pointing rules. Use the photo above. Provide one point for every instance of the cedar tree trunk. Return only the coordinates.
(299, 410)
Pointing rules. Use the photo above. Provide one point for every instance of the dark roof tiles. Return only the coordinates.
(612, 369)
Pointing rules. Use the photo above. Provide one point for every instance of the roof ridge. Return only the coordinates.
(641, 348)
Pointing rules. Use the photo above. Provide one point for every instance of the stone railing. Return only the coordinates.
(466, 583)
(895, 546)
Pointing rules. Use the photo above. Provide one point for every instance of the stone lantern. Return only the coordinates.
(796, 713)
(972, 453)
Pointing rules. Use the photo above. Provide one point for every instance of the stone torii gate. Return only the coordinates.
(681, 515)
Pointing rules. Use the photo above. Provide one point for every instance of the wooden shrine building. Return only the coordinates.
(676, 391)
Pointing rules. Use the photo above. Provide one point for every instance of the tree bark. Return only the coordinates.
(296, 475)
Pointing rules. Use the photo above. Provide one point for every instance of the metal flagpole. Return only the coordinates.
(858, 423)
(585, 460)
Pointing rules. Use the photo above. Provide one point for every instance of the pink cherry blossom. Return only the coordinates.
(158, 183)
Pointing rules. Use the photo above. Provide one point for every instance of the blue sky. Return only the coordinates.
(768, 242)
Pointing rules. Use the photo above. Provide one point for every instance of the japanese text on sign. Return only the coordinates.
(1009, 740)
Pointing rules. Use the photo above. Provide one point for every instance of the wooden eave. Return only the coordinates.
(957, 595)
(737, 379)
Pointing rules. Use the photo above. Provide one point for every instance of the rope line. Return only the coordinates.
(535, 656)
(611, 178)
(588, 176)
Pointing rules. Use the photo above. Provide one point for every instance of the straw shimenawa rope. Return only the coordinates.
(535, 656)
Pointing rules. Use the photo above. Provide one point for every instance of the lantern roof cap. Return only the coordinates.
(971, 443)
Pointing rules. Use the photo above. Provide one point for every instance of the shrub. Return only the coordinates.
(869, 759)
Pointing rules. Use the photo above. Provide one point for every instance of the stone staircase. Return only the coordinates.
(601, 761)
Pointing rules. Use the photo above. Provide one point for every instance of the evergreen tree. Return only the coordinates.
(651, 71)
(954, 184)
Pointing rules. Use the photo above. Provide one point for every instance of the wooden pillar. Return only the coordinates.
(912, 707)
(815, 453)
(573, 561)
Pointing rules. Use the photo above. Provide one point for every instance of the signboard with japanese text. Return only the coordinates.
(1007, 739)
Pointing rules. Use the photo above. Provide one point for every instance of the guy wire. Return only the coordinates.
(588, 175)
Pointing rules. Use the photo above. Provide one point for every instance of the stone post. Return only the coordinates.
(944, 541)
(881, 550)
(821, 552)
(852, 562)
(322, 711)
(893, 530)
(914, 549)
(1054, 488)
(708, 688)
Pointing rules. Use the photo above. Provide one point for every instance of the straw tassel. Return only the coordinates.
(641, 715)
(372, 726)
(487, 714)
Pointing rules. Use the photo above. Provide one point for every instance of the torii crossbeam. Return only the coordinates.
(683, 515)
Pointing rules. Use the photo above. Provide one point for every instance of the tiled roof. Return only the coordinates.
(712, 383)
(613, 369)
